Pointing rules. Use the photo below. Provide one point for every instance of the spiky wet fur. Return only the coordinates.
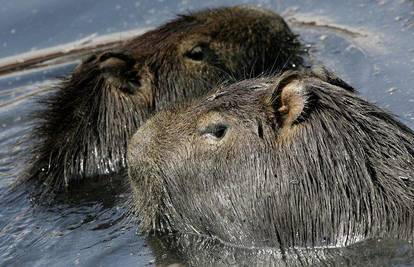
(82, 131)
(342, 173)
(84, 128)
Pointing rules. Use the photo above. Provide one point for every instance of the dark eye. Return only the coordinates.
(196, 53)
(216, 130)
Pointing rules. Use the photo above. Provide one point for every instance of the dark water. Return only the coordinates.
(368, 43)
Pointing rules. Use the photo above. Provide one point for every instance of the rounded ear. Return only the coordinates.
(294, 93)
(289, 99)
(328, 76)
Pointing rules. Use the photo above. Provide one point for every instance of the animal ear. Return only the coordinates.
(289, 99)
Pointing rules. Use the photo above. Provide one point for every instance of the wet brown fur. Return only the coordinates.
(295, 160)
(84, 128)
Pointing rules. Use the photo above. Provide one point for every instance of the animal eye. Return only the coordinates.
(196, 53)
(217, 130)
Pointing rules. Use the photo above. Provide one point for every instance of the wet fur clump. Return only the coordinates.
(85, 126)
(295, 160)
(83, 118)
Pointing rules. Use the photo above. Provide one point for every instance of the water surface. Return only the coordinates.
(368, 43)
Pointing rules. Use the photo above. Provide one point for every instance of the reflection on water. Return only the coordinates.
(368, 43)
(373, 252)
(88, 234)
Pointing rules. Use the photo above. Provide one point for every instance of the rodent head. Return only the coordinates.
(85, 128)
(195, 52)
(291, 160)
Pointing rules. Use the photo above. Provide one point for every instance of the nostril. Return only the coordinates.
(133, 77)
(119, 70)
(132, 82)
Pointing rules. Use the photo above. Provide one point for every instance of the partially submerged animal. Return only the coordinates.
(84, 129)
(291, 161)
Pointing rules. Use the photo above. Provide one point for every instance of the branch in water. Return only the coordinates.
(58, 54)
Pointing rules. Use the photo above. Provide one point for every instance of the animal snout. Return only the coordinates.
(114, 60)
(119, 69)
(110, 61)
(141, 147)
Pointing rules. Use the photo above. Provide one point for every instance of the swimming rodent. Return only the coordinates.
(296, 160)
(83, 131)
